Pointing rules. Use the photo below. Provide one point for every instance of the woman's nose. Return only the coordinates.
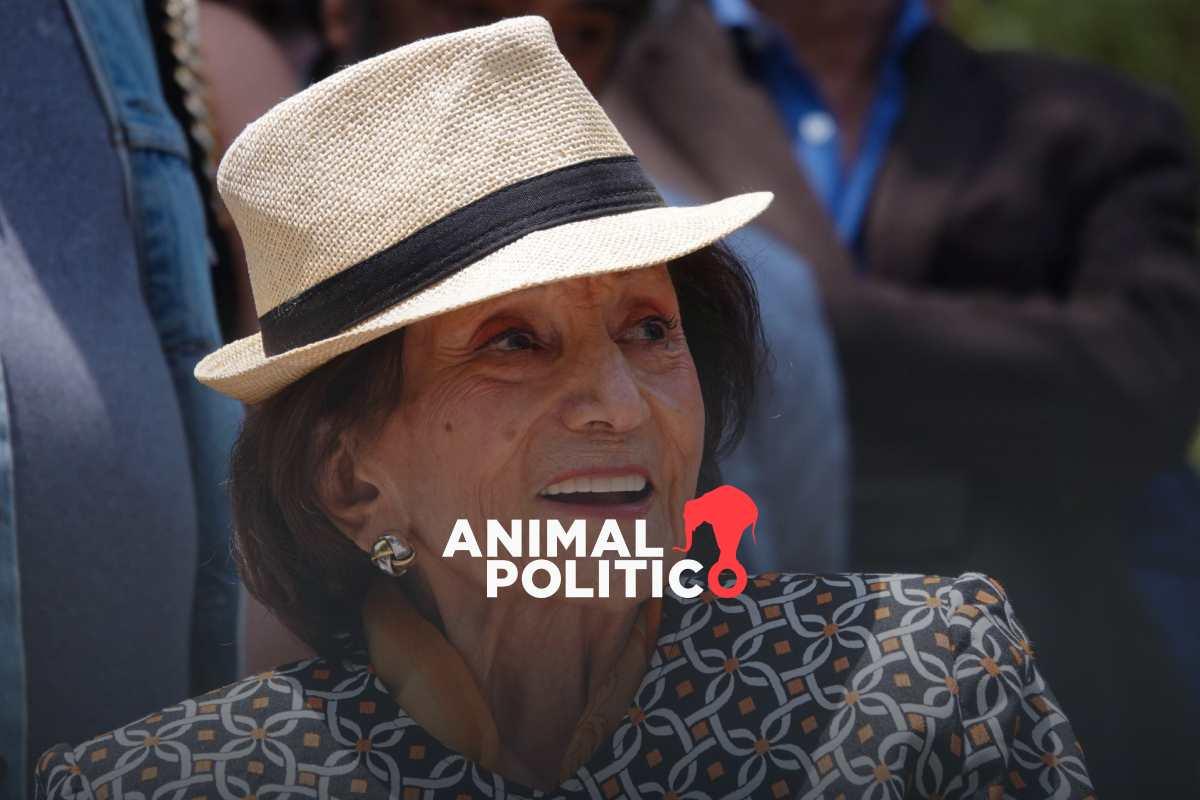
(603, 392)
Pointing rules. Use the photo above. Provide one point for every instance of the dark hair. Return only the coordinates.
(300, 566)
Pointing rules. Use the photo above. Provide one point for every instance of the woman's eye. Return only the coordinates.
(511, 340)
(652, 329)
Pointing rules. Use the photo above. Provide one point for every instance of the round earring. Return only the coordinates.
(392, 555)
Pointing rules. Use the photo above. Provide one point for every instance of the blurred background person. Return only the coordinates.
(590, 33)
(116, 586)
(1006, 248)
(233, 44)
(1156, 43)
(294, 27)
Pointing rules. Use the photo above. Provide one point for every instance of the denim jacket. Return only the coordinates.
(12, 651)
(166, 211)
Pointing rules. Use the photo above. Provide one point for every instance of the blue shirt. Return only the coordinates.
(844, 189)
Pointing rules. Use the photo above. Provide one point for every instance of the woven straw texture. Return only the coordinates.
(358, 162)
(365, 158)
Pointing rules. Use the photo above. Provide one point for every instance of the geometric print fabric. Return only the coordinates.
(837, 686)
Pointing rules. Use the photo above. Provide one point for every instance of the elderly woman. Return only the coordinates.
(475, 307)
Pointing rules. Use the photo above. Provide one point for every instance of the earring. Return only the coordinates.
(392, 555)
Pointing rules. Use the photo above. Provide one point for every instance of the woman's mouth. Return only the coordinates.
(599, 490)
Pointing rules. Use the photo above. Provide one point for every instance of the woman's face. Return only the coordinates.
(576, 400)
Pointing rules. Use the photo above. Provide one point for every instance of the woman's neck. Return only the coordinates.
(536, 663)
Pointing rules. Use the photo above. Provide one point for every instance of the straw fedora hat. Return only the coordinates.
(443, 173)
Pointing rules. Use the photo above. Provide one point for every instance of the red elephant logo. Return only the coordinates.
(729, 511)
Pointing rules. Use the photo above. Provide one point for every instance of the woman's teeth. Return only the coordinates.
(595, 484)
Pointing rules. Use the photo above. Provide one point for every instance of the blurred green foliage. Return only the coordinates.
(1156, 41)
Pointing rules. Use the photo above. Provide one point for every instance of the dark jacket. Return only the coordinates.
(1021, 351)
(802, 686)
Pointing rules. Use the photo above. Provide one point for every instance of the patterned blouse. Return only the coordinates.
(840, 686)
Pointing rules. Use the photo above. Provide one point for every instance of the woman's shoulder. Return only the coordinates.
(945, 616)
(857, 618)
(918, 602)
(853, 663)
(196, 742)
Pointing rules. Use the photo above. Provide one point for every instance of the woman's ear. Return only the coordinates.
(350, 495)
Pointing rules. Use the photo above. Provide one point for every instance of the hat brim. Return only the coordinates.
(619, 242)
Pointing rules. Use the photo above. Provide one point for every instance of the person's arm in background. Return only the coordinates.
(247, 73)
(1106, 381)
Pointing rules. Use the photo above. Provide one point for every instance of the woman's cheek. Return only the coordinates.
(462, 409)
(678, 390)
(479, 430)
